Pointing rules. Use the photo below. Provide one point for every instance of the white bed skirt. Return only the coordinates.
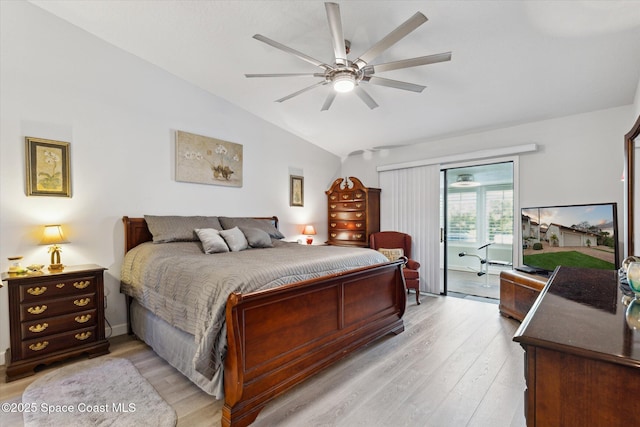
(175, 346)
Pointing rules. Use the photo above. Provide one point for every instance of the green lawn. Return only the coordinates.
(549, 261)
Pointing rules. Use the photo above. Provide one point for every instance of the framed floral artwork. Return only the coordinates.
(296, 190)
(48, 167)
(206, 160)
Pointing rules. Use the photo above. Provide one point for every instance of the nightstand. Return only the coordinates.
(53, 316)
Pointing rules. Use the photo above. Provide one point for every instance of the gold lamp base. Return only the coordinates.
(56, 267)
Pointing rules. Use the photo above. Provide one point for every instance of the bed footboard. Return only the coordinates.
(280, 337)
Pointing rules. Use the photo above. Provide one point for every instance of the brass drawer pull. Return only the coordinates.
(37, 290)
(38, 328)
(83, 336)
(38, 309)
(358, 205)
(358, 224)
(60, 285)
(333, 224)
(358, 236)
(39, 346)
(333, 234)
(333, 206)
(81, 284)
(345, 196)
(359, 214)
(359, 196)
(83, 319)
(82, 302)
(333, 215)
(333, 197)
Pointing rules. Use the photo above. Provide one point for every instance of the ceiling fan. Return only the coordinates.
(346, 75)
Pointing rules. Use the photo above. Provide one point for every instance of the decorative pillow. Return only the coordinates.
(235, 239)
(179, 228)
(212, 242)
(257, 238)
(262, 224)
(392, 254)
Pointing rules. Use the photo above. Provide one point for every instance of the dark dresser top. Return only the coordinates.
(580, 311)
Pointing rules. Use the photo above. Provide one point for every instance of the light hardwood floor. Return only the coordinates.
(454, 365)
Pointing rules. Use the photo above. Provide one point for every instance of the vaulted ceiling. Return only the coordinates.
(512, 61)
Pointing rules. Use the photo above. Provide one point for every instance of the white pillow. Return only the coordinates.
(392, 254)
(211, 240)
(235, 239)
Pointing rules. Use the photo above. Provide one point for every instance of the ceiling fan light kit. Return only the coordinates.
(344, 81)
(345, 75)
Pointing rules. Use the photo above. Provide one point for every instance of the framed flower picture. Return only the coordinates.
(206, 160)
(296, 190)
(48, 167)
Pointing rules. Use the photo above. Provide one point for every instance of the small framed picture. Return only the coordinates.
(48, 167)
(296, 190)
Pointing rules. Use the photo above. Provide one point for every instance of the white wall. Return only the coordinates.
(636, 102)
(119, 113)
(580, 158)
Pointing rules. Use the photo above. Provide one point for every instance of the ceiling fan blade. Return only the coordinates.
(394, 84)
(291, 51)
(337, 36)
(362, 94)
(408, 63)
(286, 75)
(390, 39)
(324, 82)
(328, 101)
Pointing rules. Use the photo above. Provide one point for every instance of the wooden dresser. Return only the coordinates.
(354, 212)
(518, 292)
(582, 360)
(53, 316)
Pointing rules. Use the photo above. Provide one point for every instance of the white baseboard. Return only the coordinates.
(120, 329)
(116, 330)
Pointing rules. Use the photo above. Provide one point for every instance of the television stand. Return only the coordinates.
(532, 270)
(518, 291)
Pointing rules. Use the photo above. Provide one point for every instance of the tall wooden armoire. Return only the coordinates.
(354, 212)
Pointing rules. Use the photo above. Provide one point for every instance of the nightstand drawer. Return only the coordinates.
(49, 344)
(55, 325)
(40, 310)
(55, 288)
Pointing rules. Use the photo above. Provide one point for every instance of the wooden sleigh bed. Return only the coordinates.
(277, 338)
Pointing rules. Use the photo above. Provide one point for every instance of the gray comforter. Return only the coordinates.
(189, 289)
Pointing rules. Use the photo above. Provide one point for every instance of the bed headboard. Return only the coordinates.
(137, 232)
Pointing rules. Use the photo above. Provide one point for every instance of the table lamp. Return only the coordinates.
(309, 231)
(53, 236)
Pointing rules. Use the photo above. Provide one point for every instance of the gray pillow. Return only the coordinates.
(212, 242)
(235, 239)
(179, 228)
(263, 224)
(257, 238)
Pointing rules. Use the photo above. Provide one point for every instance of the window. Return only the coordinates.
(462, 207)
(481, 215)
(499, 213)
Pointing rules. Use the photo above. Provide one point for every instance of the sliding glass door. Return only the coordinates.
(478, 227)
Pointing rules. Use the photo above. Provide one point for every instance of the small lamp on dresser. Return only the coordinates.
(53, 236)
(309, 231)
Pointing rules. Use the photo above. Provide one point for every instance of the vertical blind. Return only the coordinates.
(410, 203)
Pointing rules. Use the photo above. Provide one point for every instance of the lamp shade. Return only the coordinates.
(53, 235)
(309, 230)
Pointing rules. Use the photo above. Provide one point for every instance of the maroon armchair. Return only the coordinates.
(395, 240)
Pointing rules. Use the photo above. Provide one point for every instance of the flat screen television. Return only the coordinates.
(575, 235)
